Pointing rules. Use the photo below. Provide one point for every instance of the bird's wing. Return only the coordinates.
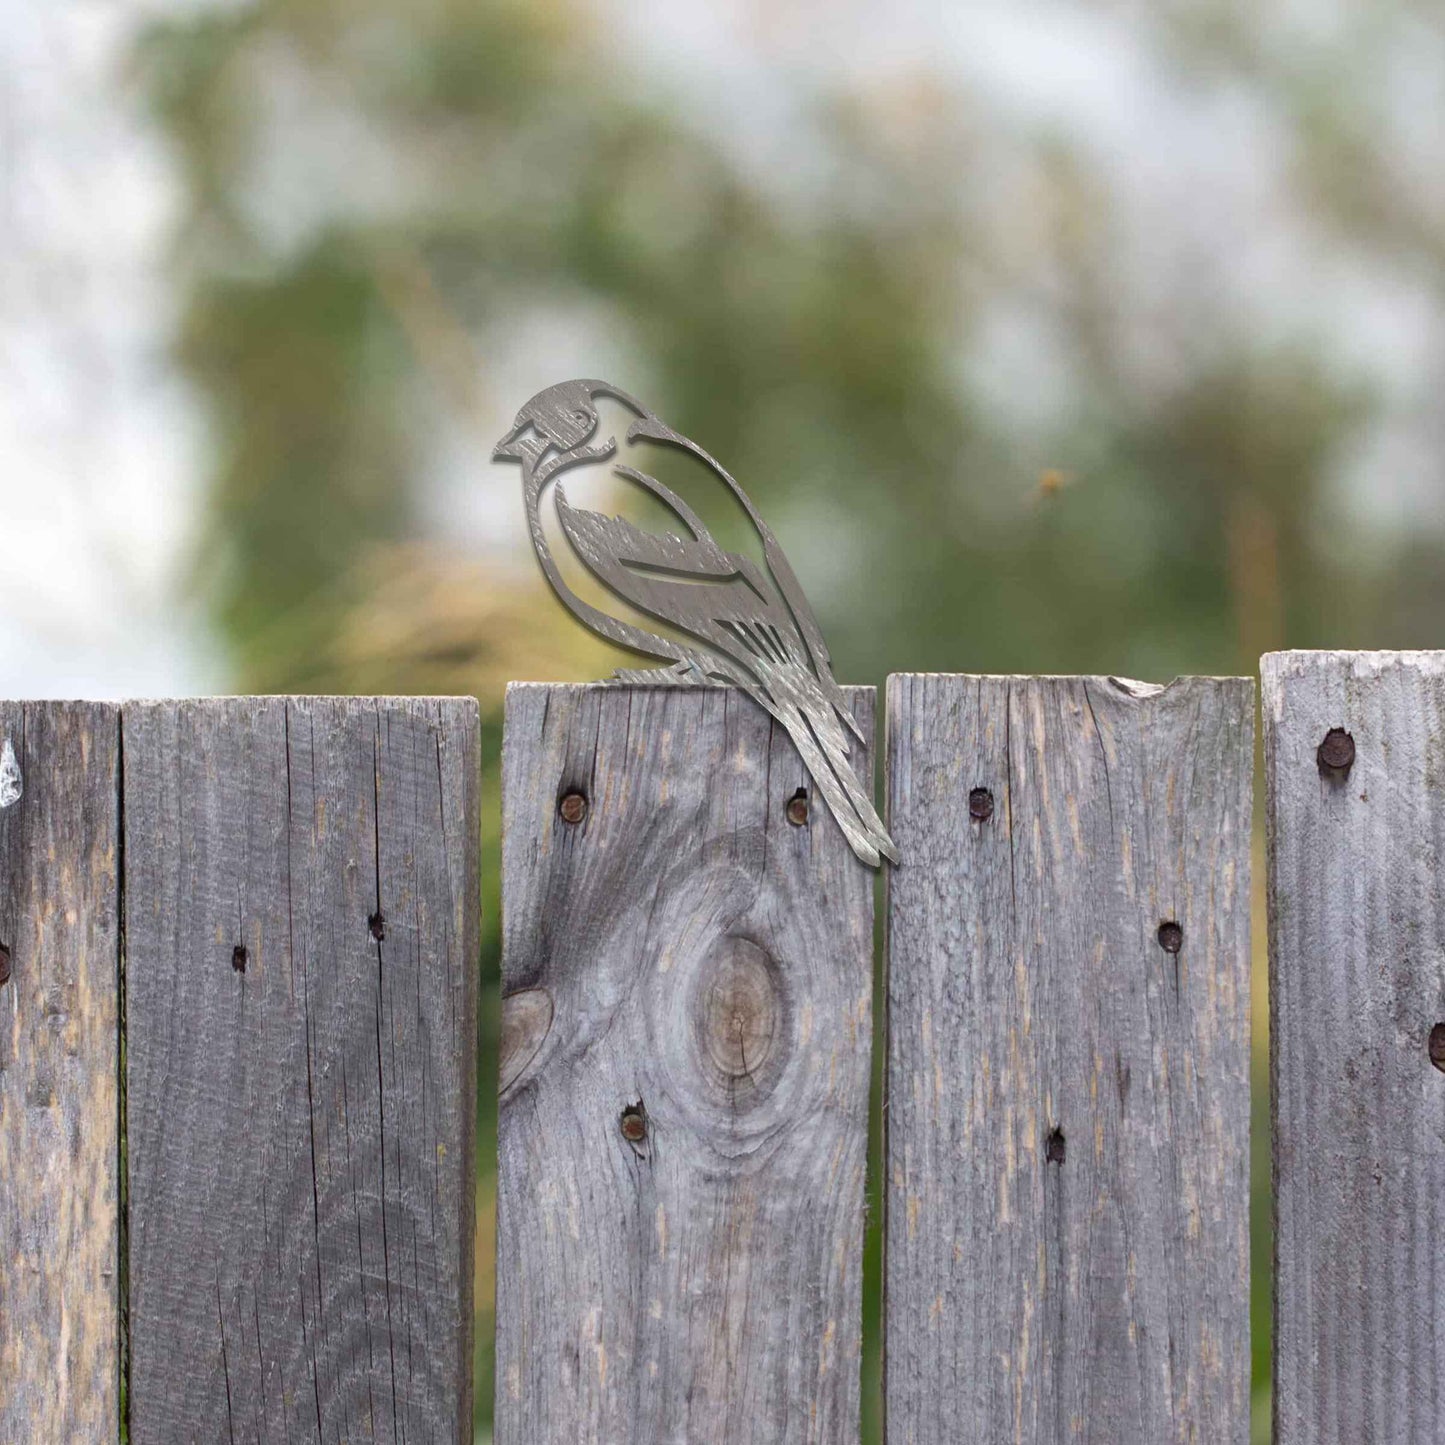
(788, 588)
(722, 598)
(731, 605)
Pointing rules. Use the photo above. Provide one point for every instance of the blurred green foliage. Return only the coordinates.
(380, 197)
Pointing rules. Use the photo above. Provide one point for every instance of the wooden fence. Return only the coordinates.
(238, 1021)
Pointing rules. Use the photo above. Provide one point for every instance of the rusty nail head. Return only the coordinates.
(573, 807)
(798, 808)
(1171, 937)
(1337, 752)
(1437, 1047)
(4, 965)
(634, 1124)
(980, 805)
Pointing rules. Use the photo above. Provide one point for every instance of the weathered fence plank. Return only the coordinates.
(1355, 754)
(685, 1076)
(59, 1075)
(301, 940)
(1068, 1083)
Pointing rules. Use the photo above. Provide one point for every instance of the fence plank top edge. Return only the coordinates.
(1126, 691)
(1274, 667)
(607, 686)
(1124, 685)
(363, 698)
(100, 706)
(1353, 654)
(1279, 669)
(118, 704)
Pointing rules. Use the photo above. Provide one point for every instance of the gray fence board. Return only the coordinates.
(1068, 1099)
(687, 952)
(59, 1078)
(1357, 989)
(301, 926)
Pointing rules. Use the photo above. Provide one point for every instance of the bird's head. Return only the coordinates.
(561, 419)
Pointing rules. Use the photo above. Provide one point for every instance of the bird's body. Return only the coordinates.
(741, 623)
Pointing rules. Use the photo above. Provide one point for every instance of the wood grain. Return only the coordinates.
(301, 925)
(685, 953)
(59, 1076)
(1357, 985)
(1068, 1101)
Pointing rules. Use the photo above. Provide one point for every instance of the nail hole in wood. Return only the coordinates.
(239, 958)
(798, 808)
(1056, 1148)
(1437, 1047)
(376, 924)
(4, 964)
(573, 807)
(1171, 937)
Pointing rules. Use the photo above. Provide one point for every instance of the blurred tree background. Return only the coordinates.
(997, 427)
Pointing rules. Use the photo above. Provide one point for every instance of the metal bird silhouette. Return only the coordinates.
(747, 626)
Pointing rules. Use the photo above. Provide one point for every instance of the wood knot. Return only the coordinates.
(526, 1022)
(740, 1010)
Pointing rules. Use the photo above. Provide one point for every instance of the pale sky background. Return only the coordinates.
(100, 446)
(97, 443)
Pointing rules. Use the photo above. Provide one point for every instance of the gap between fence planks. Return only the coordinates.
(301, 962)
(684, 955)
(59, 1084)
(1068, 1086)
(1357, 987)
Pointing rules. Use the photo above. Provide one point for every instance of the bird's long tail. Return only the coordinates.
(823, 746)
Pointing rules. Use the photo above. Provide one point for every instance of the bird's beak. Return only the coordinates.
(509, 449)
